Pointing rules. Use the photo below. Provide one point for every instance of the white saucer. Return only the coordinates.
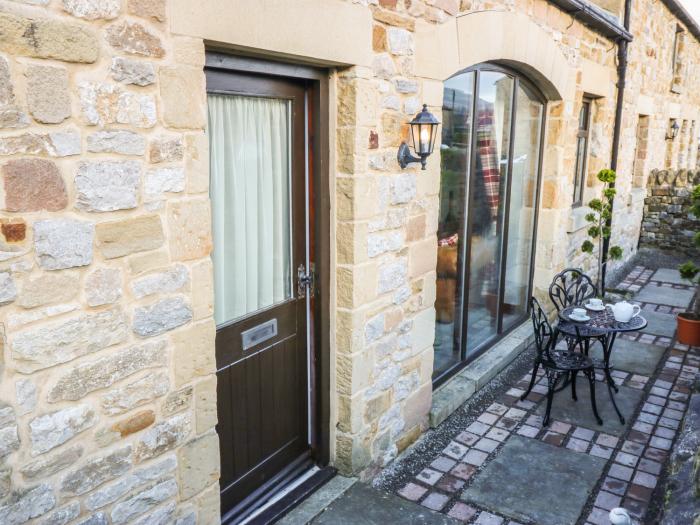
(579, 319)
(594, 308)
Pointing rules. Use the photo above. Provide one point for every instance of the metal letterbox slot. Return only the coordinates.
(258, 334)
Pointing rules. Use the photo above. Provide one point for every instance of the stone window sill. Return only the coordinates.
(458, 389)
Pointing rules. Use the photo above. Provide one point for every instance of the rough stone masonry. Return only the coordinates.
(107, 385)
(668, 223)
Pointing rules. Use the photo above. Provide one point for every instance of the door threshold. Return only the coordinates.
(280, 494)
(294, 495)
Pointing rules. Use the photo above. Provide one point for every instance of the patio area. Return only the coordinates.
(493, 463)
(503, 467)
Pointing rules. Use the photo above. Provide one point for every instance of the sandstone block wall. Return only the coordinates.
(386, 218)
(658, 92)
(386, 242)
(107, 385)
(668, 223)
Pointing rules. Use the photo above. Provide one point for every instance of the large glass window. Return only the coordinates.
(490, 157)
(457, 107)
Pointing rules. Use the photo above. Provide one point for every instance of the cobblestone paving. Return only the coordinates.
(634, 461)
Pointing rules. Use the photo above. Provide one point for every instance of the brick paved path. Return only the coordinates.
(504, 468)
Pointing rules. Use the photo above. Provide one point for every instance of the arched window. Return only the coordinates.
(491, 153)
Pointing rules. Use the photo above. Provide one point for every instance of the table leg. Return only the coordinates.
(608, 342)
(607, 351)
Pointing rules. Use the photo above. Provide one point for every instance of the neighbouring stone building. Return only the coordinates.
(119, 260)
(668, 222)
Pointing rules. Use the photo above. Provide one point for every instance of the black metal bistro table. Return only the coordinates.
(603, 327)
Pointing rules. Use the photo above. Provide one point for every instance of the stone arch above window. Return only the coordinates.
(510, 39)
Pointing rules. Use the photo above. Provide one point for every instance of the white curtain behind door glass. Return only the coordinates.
(249, 155)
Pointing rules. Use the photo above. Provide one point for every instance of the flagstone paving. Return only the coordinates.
(665, 293)
(502, 467)
(362, 504)
(668, 275)
(561, 487)
(632, 356)
(660, 322)
(581, 413)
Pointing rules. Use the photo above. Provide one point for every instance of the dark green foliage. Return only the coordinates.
(615, 252)
(607, 176)
(598, 229)
(690, 270)
(695, 201)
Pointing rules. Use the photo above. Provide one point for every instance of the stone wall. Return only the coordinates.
(107, 391)
(386, 218)
(682, 488)
(657, 92)
(107, 381)
(668, 223)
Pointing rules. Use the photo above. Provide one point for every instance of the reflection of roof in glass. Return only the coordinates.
(456, 100)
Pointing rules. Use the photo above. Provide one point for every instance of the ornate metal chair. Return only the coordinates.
(570, 287)
(558, 364)
(573, 287)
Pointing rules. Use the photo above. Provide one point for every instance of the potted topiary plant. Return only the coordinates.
(598, 228)
(689, 322)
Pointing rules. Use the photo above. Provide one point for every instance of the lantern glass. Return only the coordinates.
(423, 137)
(415, 142)
(423, 132)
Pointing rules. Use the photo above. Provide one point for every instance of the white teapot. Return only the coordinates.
(624, 311)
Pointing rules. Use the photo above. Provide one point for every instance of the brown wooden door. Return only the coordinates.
(258, 158)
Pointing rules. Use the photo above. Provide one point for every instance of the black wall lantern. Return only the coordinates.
(672, 132)
(423, 134)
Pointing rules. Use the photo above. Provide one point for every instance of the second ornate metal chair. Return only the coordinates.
(571, 287)
(557, 364)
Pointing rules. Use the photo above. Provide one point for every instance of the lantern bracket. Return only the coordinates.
(405, 158)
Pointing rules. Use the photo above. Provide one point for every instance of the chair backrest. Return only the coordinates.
(571, 287)
(543, 330)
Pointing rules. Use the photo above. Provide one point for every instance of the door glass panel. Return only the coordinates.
(486, 204)
(250, 192)
(523, 199)
(454, 154)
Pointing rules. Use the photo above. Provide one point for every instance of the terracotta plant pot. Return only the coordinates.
(688, 329)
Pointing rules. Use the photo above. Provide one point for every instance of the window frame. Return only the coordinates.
(584, 133)
(519, 79)
(678, 42)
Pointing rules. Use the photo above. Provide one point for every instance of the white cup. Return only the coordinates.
(579, 312)
(595, 302)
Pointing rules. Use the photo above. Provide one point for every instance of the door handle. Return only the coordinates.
(305, 281)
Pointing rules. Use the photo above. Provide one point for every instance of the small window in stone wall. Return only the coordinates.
(640, 152)
(682, 149)
(582, 136)
(668, 160)
(692, 140)
(678, 65)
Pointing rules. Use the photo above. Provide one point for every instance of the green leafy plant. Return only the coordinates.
(599, 220)
(689, 270)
